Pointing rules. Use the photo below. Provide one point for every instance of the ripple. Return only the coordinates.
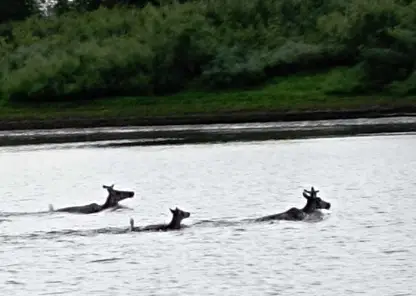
(58, 234)
(389, 252)
(12, 214)
(228, 255)
(12, 282)
(105, 260)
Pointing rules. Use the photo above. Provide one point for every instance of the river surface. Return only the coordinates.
(365, 245)
(209, 133)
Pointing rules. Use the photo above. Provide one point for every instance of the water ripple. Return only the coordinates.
(368, 180)
(105, 260)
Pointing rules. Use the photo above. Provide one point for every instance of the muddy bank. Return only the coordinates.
(218, 118)
(179, 134)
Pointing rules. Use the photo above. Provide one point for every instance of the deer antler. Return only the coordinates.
(312, 194)
(313, 191)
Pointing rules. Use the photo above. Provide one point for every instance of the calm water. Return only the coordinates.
(365, 245)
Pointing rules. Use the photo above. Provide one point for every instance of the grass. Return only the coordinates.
(302, 92)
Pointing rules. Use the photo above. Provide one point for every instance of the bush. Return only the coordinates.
(405, 87)
(167, 46)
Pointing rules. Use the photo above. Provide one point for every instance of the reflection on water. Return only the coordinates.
(189, 134)
(364, 245)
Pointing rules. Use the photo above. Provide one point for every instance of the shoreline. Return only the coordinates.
(209, 133)
(232, 117)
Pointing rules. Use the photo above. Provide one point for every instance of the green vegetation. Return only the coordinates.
(179, 57)
(302, 92)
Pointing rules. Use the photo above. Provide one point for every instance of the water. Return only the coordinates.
(364, 245)
(199, 133)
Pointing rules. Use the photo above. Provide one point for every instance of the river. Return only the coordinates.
(364, 245)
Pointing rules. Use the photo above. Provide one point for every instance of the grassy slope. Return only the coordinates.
(296, 93)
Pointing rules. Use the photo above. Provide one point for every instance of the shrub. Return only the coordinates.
(164, 47)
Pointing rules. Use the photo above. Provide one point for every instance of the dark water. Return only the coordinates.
(365, 245)
(191, 134)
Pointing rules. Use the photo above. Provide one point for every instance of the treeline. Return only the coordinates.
(86, 49)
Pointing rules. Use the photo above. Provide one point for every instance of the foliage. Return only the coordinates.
(91, 48)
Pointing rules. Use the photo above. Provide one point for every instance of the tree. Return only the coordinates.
(17, 9)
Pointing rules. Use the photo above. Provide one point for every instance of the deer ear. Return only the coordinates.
(305, 195)
(172, 211)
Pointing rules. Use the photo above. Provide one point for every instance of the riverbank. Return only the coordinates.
(209, 133)
(294, 98)
(74, 121)
(195, 62)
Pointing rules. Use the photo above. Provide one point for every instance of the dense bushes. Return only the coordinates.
(208, 44)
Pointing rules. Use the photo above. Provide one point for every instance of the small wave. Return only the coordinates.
(43, 213)
(54, 282)
(217, 223)
(105, 260)
(12, 282)
(313, 218)
(316, 217)
(16, 214)
(388, 252)
(122, 230)
(120, 207)
(65, 233)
